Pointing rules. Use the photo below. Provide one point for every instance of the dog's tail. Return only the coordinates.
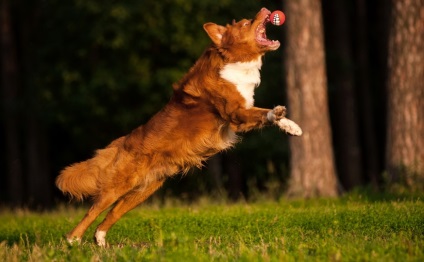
(81, 180)
(78, 180)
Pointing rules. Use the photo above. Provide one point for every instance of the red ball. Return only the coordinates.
(277, 17)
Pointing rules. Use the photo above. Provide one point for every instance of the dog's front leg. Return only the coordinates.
(243, 120)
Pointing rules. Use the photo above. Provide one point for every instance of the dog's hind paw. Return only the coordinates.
(73, 241)
(100, 238)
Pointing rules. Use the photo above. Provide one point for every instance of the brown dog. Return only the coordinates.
(212, 102)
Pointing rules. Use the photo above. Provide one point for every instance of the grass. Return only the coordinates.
(352, 228)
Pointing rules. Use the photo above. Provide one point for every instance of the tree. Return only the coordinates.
(312, 162)
(370, 148)
(405, 107)
(342, 96)
(9, 77)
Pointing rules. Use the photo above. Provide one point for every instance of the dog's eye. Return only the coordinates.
(246, 23)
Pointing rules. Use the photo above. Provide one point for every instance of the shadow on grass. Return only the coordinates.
(368, 194)
(19, 238)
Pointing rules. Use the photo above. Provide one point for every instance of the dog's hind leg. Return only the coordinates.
(96, 209)
(104, 200)
(129, 201)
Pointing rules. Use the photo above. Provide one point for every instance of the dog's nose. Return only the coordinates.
(264, 10)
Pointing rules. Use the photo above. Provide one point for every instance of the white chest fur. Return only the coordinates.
(245, 76)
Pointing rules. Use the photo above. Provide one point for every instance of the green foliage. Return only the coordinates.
(102, 68)
(353, 228)
(116, 61)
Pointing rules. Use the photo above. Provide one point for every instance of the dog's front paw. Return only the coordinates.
(289, 126)
(279, 112)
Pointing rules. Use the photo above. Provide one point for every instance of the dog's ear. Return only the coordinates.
(215, 32)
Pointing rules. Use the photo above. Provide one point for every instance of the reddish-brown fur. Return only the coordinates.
(200, 120)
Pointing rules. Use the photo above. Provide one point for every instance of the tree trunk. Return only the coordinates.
(39, 182)
(405, 108)
(9, 77)
(235, 176)
(344, 108)
(38, 176)
(367, 112)
(312, 162)
(215, 170)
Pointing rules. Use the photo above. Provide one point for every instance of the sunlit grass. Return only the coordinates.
(348, 229)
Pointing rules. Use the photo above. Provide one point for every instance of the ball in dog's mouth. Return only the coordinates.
(277, 18)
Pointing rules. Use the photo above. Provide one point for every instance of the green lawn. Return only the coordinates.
(352, 228)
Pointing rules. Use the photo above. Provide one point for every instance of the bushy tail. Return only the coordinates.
(81, 180)
(78, 180)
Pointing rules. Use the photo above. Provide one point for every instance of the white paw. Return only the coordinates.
(74, 240)
(289, 126)
(100, 237)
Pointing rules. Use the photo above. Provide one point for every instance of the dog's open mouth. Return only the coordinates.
(261, 37)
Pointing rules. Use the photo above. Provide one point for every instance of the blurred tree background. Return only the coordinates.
(77, 74)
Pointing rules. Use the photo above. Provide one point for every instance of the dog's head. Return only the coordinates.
(245, 40)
